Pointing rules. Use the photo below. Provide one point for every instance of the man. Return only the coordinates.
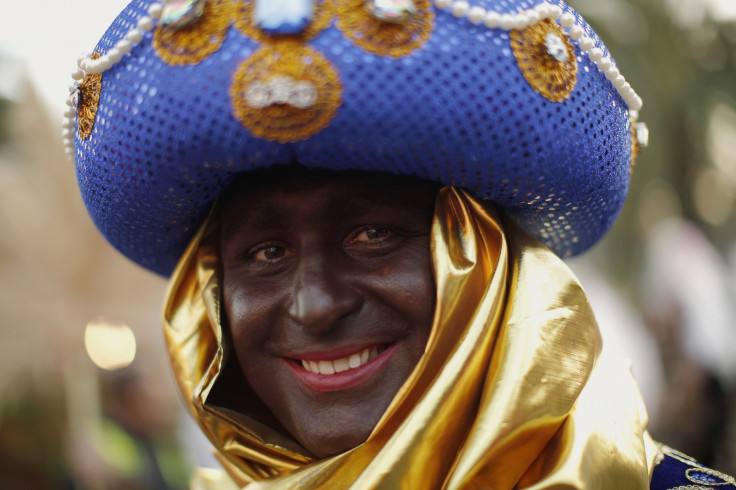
(348, 196)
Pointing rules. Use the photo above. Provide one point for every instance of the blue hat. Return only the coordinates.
(516, 100)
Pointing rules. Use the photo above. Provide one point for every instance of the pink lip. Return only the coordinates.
(325, 383)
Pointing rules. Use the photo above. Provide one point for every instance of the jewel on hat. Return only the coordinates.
(556, 47)
(391, 10)
(181, 13)
(283, 16)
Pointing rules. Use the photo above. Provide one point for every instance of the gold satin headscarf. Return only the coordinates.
(510, 393)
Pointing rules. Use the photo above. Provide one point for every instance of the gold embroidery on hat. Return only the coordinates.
(282, 122)
(380, 37)
(635, 146)
(553, 79)
(193, 43)
(244, 16)
(89, 88)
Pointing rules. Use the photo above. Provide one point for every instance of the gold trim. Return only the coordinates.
(384, 38)
(191, 44)
(243, 13)
(727, 480)
(555, 80)
(281, 122)
(635, 146)
(90, 88)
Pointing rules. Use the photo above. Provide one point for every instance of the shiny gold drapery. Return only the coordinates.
(509, 392)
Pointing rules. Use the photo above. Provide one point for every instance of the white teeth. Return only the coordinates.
(341, 365)
(326, 367)
(354, 361)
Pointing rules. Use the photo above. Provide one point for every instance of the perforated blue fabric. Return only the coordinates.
(457, 110)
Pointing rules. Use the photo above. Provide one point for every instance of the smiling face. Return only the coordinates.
(329, 294)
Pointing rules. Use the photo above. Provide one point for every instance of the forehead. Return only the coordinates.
(266, 194)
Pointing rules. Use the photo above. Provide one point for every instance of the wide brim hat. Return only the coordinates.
(517, 101)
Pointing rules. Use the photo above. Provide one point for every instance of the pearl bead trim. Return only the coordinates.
(526, 18)
(85, 65)
(459, 8)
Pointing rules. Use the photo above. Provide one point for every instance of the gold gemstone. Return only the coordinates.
(181, 13)
(391, 10)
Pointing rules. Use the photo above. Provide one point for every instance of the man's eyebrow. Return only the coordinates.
(259, 219)
(356, 203)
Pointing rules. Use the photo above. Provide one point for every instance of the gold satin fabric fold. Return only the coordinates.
(509, 393)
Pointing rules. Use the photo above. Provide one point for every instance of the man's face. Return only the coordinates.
(329, 294)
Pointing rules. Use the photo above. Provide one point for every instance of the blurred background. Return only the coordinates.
(87, 400)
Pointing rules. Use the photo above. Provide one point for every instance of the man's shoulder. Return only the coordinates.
(676, 471)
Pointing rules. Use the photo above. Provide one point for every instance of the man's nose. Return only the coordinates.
(322, 294)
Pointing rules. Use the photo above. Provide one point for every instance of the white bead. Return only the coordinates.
(586, 43)
(67, 133)
(124, 46)
(78, 74)
(638, 103)
(642, 133)
(460, 8)
(532, 17)
(82, 57)
(619, 82)
(567, 19)
(69, 144)
(633, 114)
(507, 22)
(576, 32)
(612, 73)
(68, 123)
(595, 55)
(86, 64)
(101, 65)
(69, 113)
(543, 9)
(442, 4)
(604, 64)
(115, 55)
(134, 36)
(626, 87)
(155, 10)
(145, 24)
(492, 20)
(555, 11)
(476, 15)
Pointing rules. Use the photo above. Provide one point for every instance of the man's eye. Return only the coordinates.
(371, 234)
(270, 253)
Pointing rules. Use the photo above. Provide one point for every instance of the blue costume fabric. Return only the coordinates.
(676, 471)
